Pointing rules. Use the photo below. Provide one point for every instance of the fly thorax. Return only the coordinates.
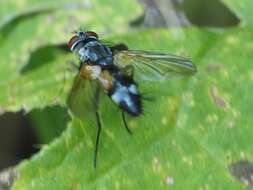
(97, 53)
(82, 54)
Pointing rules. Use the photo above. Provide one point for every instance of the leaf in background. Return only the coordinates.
(49, 122)
(190, 134)
(35, 34)
(243, 9)
(12, 9)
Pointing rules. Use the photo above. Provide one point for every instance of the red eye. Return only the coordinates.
(72, 42)
(91, 33)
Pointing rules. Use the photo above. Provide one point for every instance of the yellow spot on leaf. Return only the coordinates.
(201, 156)
(251, 75)
(188, 98)
(172, 103)
(164, 121)
(156, 165)
(236, 113)
(109, 133)
(117, 185)
(218, 99)
(133, 124)
(231, 124)
(21, 4)
(187, 160)
(212, 118)
(242, 155)
(231, 40)
(225, 74)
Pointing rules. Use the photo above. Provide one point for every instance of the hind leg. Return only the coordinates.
(125, 123)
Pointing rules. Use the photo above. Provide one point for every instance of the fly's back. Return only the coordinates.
(98, 53)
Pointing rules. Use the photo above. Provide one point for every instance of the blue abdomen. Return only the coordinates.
(126, 95)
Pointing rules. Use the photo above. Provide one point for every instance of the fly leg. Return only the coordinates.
(125, 123)
(99, 127)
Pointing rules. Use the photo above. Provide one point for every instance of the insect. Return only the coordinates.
(112, 70)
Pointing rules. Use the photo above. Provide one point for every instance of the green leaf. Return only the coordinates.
(49, 122)
(243, 9)
(11, 9)
(36, 34)
(189, 135)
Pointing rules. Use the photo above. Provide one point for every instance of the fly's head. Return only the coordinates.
(77, 43)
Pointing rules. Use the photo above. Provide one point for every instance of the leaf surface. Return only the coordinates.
(188, 136)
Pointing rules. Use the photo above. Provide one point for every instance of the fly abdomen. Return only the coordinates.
(125, 94)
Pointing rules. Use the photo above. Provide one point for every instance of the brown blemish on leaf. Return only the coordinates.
(156, 165)
(7, 178)
(214, 67)
(217, 99)
(243, 171)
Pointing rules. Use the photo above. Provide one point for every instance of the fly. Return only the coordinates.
(112, 70)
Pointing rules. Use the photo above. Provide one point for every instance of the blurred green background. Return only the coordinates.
(39, 32)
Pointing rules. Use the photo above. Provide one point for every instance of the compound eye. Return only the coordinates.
(91, 33)
(72, 42)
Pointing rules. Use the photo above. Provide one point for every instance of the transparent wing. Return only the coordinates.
(83, 97)
(154, 66)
